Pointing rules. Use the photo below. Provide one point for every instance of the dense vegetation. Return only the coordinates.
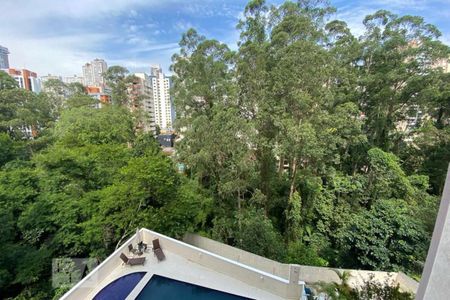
(299, 135)
(81, 186)
(292, 146)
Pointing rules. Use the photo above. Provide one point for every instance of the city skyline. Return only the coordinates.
(59, 37)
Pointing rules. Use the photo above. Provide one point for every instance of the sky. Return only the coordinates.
(57, 36)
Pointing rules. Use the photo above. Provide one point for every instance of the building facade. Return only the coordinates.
(46, 78)
(143, 94)
(4, 60)
(100, 94)
(26, 79)
(164, 108)
(73, 79)
(444, 64)
(93, 72)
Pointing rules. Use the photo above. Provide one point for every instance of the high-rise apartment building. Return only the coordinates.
(99, 94)
(49, 77)
(4, 61)
(46, 78)
(444, 64)
(73, 79)
(163, 102)
(26, 79)
(93, 73)
(143, 94)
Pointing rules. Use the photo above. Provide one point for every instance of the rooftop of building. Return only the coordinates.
(188, 264)
(203, 262)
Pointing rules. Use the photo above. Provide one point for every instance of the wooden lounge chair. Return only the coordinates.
(132, 261)
(157, 250)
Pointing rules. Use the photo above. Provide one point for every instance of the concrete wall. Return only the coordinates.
(308, 274)
(406, 283)
(256, 261)
(436, 273)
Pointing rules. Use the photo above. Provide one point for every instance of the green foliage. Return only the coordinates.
(187, 212)
(300, 129)
(387, 236)
(7, 82)
(256, 234)
(293, 146)
(118, 80)
(298, 253)
(20, 109)
(339, 291)
(83, 193)
(80, 100)
(386, 178)
(82, 126)
(294, 217)
(370, 290)
(375, 290)
(7, 151)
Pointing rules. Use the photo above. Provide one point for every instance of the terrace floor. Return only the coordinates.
(180, 268)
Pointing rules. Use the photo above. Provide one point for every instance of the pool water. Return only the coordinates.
(163, 288)
(120, 288)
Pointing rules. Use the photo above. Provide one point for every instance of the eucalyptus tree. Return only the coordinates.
(202, 77)
(216, 144)
(116, 78)
(300, 72)
(253, 79)
(398, 57)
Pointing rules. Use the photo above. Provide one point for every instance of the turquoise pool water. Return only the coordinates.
(120, 288)
(163, 288)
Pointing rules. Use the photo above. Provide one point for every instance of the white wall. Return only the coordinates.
(308, 274)
(435, 283)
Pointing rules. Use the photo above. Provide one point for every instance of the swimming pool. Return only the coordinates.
(120, 288)
(163, 288)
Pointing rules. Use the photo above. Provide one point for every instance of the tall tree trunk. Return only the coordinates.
(239, 209)
(293, 176)
(281, 166)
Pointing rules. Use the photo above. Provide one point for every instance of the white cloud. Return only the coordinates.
(58, 36)
(61, 55)
(135, 64)
(80, 9)
(182, 26)
(354, 13)
(153, 47)
(23, 31)
(445, 38)
(354, 18)
(400, 4)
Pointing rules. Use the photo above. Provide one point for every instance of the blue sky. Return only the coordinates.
(59, 36)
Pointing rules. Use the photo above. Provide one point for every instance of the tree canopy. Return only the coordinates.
(306, 144)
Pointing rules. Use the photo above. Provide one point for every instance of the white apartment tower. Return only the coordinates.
(143, 89)
(4, 61)
(93, 73)
(73, 79)
(163, 102)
